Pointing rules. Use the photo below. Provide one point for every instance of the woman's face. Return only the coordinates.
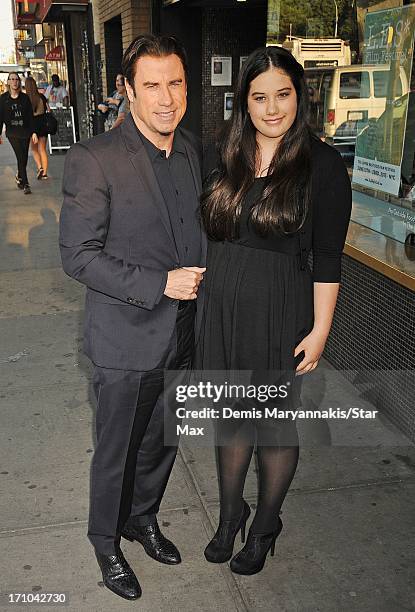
(119, 82)
(272, 103)
(14, 82)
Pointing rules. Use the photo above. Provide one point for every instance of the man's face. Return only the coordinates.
(55, 81)
(159, 102)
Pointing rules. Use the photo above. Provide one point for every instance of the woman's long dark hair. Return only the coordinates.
(285, 200)
(33, 93)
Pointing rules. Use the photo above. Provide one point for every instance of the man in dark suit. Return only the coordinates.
(130, 231)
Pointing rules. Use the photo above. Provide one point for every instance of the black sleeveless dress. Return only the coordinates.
(258, 301)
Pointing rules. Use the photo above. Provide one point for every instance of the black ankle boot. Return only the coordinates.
(250, 560)
(220, 548)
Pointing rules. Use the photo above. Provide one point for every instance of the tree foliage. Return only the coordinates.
(318, 17)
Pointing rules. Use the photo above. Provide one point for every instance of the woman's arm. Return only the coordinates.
(46, 103)
(331, 215)
(325, 298)
(120, 118)
(28, 118)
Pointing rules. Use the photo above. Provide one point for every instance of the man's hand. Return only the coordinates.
(183, 283)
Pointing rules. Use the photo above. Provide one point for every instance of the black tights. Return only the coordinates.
(21, 150)
(277, 454)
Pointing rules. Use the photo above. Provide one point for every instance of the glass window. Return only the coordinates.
(380, 84)
(326, 83)
(354, 85)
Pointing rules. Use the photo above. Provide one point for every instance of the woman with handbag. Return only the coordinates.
(40, 109)
(17, 115)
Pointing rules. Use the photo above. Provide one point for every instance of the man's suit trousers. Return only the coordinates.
(131, 465)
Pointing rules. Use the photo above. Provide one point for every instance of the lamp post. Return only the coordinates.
(337, 18)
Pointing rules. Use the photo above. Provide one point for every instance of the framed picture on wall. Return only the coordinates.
(221, 70)
(227, 105)
(242, 60)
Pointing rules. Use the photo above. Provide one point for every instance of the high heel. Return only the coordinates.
(251, 559)
(220, 548)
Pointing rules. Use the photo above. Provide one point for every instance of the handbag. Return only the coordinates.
(51, 123)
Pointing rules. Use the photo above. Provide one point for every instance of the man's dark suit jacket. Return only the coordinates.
(116, 238)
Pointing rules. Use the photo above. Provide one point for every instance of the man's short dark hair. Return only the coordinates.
(154, 46)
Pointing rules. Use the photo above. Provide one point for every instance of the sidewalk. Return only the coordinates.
(348, 541)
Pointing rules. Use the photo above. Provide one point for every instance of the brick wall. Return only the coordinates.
(135, 20)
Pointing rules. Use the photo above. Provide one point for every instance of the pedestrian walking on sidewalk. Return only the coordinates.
(56, 94)
(40, 108)
(17, 115)
(130, 231)
(275, 193)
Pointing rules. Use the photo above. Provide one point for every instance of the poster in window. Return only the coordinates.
(388, 43)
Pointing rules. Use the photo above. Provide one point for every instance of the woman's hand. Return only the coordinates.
(313, 346)
(35, 138)
(325, 296)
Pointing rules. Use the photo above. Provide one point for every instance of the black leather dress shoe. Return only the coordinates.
(155, 543)
(118, 575)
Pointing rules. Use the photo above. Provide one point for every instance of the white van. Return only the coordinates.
(344, 98)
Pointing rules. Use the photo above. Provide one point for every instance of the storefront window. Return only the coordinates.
(383, 175)
(366, 110)
(55, 48)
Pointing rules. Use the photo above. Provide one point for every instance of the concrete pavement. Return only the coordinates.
(348, 540)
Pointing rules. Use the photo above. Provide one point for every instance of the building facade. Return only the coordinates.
(62, 36)
(119, 23)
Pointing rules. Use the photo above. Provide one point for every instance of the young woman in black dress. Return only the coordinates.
(40, 107)
(17, 115)
(277, 193)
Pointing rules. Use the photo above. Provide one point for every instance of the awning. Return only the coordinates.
(29, 13)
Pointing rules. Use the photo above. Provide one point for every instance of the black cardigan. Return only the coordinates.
(324, 231)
